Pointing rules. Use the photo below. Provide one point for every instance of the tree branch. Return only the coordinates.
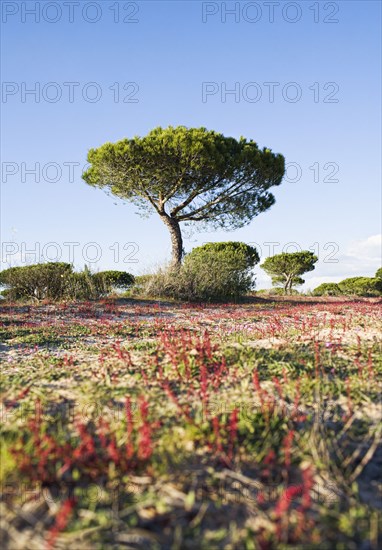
(151, 200)
(218, 199)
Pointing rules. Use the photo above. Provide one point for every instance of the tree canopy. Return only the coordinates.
(37, 282)
(189, 175)
(286, 269)
(361, 286)
(327, 289)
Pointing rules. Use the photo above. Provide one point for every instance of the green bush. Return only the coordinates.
(212, 272)
(327, 289)
(37, 282)
(106, 281)
(57, 281)
(7, 294)
(353, 286)
(139, 286)
(142, 279)
(361, 286)
(378, 274)
(83, 286)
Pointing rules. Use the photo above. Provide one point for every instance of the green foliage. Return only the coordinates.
(327, 289)
(378, 274)
(37, 282)
(83, 286)
(56, 281)
(285, 269)
(353, 286)
(268, 389)
(173, 163)
(361, 286)
(276, 291)
(113, 279)
(142, 279)
(212, 272)
(189, 175)
(238, 256)
(140, 284)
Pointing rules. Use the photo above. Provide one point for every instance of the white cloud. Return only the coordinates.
(367, 249)
(361, 258)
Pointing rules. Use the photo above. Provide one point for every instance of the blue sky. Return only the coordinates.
(166, 56)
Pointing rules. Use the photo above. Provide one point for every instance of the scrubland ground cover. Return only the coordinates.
(132, 424)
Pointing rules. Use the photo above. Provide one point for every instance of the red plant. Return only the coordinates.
(184, 409)
(233, 425)
(296, 402)
(370, 365)
(13, 402)
(269, 461)
(316, 358)
(145, 447)
(204, 385)
(260, 391)
(287, 444)
(349, 400)
(278, 387)
(129, 424)
(89, 453)
(216, 429)
(61, 521)
(122, 354)
(286, 498)
(68, 361)
(284, 503)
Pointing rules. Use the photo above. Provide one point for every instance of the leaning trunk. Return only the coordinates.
(288, 285)
(176, 239)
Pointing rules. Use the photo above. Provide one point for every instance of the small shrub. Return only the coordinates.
(215, 271)
(57, 281)
(7, 294)
(37, 282)
(139, 286)
(107, 281)
(140, 280)
(82, 286)
(327, 289)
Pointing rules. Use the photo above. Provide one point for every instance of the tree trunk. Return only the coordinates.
(288, 285)
(176, 239)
